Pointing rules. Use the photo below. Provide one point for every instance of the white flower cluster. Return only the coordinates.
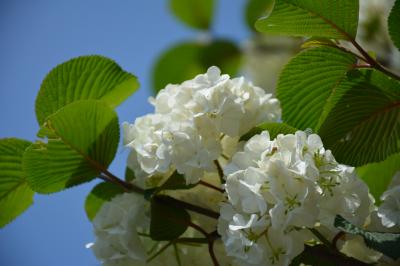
(115, 226)
(185, 131)
(278, 188)
(119, 243)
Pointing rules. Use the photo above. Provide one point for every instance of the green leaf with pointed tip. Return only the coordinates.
(100, 194)
(393, 24)
(82, 141)
(174, 182)
(378, 175)
(308, 86)
(256, 9)
(167, 222)
(364, 125)
(192, 58)
(386, 243)
(82, 78)
(274, 129)
(335, 19)
(194, 13)
(15, 194)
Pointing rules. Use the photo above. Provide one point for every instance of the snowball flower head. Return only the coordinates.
(117, 241)
(276, 188)
(190, 119)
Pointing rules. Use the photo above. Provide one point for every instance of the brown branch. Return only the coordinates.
(211, 186)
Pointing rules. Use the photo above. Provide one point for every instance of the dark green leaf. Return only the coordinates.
(167, 222)
(379, 175)
(386, 243)
(15, 194)
(274, 130)
(100, 194)
(191, 58)
(255, 9)
(83, 78)
(308, 86)
(364, 125)
(129, 174)
(336, 19)
(322, 255)
(393, 24)
(175, 181)
(82, 141)
(194, 13)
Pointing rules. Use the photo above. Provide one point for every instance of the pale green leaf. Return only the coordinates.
(100, 194)
(386, 243)
(364, 125)
(194, 13)
(379, 175)
(192, 58)
(167, 222)
(336, 19)
(15, 194)
(82, 141)
(82, 78)
(274, 129)
(308, 86)
(394, 24)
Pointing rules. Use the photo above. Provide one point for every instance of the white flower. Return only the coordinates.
(146, 138)
(191, 120)
(117, 241)
(389, 210)
(277, 188)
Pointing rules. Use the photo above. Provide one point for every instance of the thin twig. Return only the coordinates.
(211, 186)
(220, 171)
(320, 237)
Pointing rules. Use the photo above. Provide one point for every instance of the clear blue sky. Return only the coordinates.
(37, 35)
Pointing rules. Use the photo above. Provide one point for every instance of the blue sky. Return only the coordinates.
(37, 35)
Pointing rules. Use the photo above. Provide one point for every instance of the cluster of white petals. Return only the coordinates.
(184, 132)
(389, 210)
(115, 226)
(278, 188)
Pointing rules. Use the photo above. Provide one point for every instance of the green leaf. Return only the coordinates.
(255, 9)
(174, 182)
(364, 125)
(386, 243)
(192, 58)
(308, 256)
(100, 194)
(167, 222)
(15, 194)
(82, 78)
(129, 174)
(308, 86)
(274, 130)
(393, 24)
(82, 141)
(194, 13)
(379, 175)
(335, 19)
